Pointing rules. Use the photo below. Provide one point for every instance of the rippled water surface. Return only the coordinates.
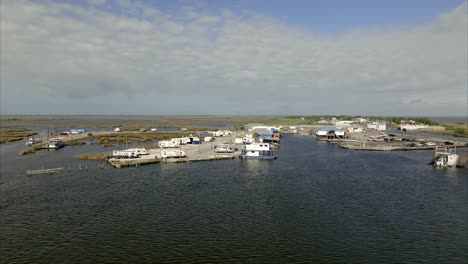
(315, 203)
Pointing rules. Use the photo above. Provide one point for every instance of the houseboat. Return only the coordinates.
(257, 151)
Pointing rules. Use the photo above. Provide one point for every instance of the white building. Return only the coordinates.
(377, 126)
(343, 124)
(356, 129)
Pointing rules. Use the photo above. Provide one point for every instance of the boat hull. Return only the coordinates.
(258, 157)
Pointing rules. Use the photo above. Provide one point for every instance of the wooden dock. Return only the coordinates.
(119, 163)
(44, 171)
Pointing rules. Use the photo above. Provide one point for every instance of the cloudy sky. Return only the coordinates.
(234, 57)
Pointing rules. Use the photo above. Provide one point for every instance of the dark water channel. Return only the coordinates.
(316, 203)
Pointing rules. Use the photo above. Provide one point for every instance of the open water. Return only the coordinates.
(317, 203)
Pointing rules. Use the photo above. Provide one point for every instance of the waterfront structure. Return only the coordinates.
(330, 132)
(356, 129)
(257, 151)
(380, 126)
(266, 134)
(343, 124)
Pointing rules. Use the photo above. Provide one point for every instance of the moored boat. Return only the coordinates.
(53, 144)
(257, 151)
(446, 158)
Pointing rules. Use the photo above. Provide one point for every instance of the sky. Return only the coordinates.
(188, 57)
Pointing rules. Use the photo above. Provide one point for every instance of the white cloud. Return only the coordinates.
(67, 52)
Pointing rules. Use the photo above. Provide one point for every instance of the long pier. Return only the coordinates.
(44, 171)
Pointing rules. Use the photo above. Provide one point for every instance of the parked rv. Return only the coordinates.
(139, 151)
(172, 153)
(120, 154)
(223, 149)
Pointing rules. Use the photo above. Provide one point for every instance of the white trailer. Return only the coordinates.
(139, 151)
(172, 153)
(166, 144)
(124, 154)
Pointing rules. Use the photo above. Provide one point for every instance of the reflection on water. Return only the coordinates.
(317, 203)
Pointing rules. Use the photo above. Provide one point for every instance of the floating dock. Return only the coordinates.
(44, 171)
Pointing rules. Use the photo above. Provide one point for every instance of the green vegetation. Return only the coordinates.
(460, 132)
(451, 129)
(9, 134)
(32, 149)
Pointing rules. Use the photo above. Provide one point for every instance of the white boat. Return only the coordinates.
(257, 151)
(53, 144)
(446, 158)
(154, 129)
(117, 129)
(31, 141)
(172, 153)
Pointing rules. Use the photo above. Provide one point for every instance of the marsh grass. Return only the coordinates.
(32, 149)
(10, 133)
(451, 129)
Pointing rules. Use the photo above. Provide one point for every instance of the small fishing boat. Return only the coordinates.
(445, 158)
(53, 144)
(31, 141)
